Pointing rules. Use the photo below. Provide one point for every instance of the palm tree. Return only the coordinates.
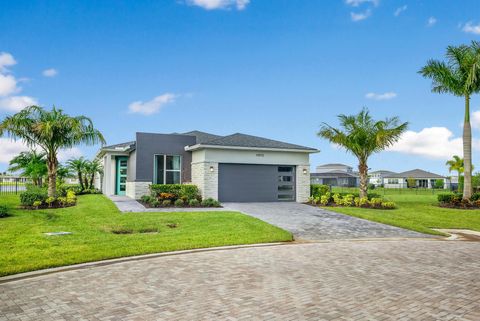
(455, 164)
(78, 165)
(30, 164)
(91, 169)
(50, 131)
(460, 76)
(362, 136)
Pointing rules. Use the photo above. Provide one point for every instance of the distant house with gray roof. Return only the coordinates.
(423, 179)
(335, 175)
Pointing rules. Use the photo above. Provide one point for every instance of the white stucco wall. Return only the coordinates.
(109, 170)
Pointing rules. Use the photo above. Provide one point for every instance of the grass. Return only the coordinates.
(418, 212)
(101, 232)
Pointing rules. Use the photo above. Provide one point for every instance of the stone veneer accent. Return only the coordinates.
(206, 181)
(136, 190)
(303, 183)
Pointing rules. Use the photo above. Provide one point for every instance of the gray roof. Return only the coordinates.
(243, 140)
(381, 171)
(121, 145)
(334, 174)
(416, 173)
(202, 137)
(334, 164)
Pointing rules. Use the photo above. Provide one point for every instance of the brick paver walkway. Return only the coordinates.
(342, 280)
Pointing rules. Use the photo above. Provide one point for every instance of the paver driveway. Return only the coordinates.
(342, 280)
(313, 223)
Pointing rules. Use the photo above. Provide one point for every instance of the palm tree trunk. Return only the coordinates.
(80, 180)
(52, 175)
(467, 152)
(363, 171)
(92, 178)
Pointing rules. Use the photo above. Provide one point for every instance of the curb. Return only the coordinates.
(80, 266)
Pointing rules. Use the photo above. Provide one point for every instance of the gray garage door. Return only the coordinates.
(256, 183)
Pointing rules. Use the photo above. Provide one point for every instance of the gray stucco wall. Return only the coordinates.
(148, 145)
(132, 167)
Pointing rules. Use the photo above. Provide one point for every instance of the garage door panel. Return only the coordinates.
(253, 183)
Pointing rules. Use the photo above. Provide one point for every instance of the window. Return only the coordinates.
(285, 178)
(392, 181)
(285, 168)
(167, 169)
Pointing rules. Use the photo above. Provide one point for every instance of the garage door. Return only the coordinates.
(256, 183)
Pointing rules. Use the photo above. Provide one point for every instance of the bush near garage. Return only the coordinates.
(455, 200)
(351, 200)
(176, 195)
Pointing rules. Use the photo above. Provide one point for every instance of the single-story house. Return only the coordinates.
(376, 177)
(233, 168)
(423, 179)
(335, 175)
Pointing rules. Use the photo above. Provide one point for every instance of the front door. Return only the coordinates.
(121, 179)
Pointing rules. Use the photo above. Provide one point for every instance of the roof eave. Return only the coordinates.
(204, 146)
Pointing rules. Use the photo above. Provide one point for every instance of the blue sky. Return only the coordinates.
(276, 69)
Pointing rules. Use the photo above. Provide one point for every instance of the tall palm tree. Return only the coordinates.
(50, 131)
(78, 165)
(363, 136)
(460, 76)
(30, 164)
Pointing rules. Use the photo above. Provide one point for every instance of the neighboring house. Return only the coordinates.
(233, 168)
(335, 175)
(376, 177)
(423, 179)
(6, 178)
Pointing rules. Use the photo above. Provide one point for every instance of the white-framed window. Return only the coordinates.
(167, 169)
(392, 181)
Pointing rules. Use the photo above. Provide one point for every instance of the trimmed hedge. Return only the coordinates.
(33, 194)
(183, 191)
(317, 190)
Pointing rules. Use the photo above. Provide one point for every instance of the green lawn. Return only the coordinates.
(24, 247)
(417, 212)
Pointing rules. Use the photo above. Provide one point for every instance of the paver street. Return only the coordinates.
(340, 280)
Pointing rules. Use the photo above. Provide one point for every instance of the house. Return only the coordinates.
(423, 179)
(376, 177)
(335, 175)
(233, 168)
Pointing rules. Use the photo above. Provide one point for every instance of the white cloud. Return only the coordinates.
(400, 10)
(152, 106)
(51, 72)
(16, 103)
(8, 85)
(219, 4)
(431, 21)
(469, 27)
(361, 15)
(432, 142)
(384, 96)
(66, 154)
(9, 149)
(356, 3)
(6, 60)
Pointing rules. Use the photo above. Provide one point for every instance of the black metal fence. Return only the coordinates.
(397, 190)
(13, 185)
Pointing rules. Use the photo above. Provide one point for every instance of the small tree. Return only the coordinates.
(78, 165)
(50, 131)
(439, 184)
(363, 136)
(30, 164)
(411, 182)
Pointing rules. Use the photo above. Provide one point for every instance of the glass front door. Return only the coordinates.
(121, 182)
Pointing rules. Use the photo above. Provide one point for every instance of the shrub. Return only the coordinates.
(184, 191)
(189, 191)
(33, 194)
(388, 205)
(348, 200)
(62, 201)
(337, 199)
(193, 202)
(154, 202)
(475, 197)
(210, 202)
(49, 201)
(450, 198)
(438, 184)
(167, 196)
(146, 199)
(376, 202)
(325, 199)
(317, 190)
(369, 195)
(179, 202)
(166, 202)
(371, 186)
(4, 211)
(363, 202)
(37, 204)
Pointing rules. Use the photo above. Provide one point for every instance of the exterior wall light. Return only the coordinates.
(211, 169)
(304, 171)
